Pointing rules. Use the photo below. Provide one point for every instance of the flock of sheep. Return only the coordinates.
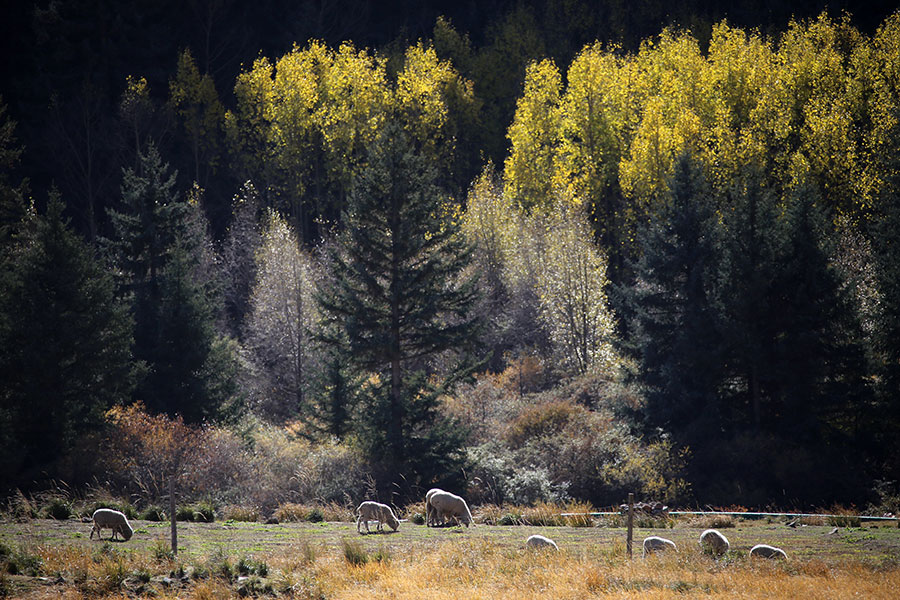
(440, 508)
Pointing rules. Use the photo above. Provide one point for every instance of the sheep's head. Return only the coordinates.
(126, 532)
(394, 523)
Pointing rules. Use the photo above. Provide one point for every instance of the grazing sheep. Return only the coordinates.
(450, 505)
(111, 519)
(657, 544)
(766, 551)
(376, 512)
(539, 541)
(714, 542)
(431, 516)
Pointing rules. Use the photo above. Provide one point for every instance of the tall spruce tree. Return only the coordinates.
(401, 299)
(819, 360)
(674, 330)
(885, 236)
(65, 347)
(748, 263)
(157, 249)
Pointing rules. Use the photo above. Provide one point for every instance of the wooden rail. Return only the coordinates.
(746, 515)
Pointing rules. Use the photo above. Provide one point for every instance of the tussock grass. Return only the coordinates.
(234, 512)
(291, 512)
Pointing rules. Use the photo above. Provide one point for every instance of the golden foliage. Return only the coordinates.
(822, 97)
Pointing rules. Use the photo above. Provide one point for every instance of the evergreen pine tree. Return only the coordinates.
(159, 251)
(401, 299)
(65, 347)
(674, 331)
(748, 264)
(885, 236)
(819, 362)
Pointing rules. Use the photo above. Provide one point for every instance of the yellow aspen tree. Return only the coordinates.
(197, 104)
(533, 136)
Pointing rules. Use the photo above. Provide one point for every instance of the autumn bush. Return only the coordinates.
(556, 448)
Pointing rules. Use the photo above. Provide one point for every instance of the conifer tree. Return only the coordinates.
(65, 346)
(674, 331)
(885, 235)
(401, 299)
(158, 249)
(748, 263)
(819, 361)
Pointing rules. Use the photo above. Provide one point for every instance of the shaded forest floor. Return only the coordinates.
(330, 560)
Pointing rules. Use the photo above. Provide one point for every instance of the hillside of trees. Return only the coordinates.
(539, 251)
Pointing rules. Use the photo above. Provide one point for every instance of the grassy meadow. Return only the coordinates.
(56, 559)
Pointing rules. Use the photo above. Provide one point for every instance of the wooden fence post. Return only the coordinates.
(172, 515)
(630, 523)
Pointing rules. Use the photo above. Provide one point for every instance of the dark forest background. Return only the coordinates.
(531, 251)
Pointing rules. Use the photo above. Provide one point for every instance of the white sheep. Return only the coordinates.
(111, 519)
(766, 551)
(431, 516)
(539, 541)
(713, 541)
(657, 544)
(376, 511)
(450, 505)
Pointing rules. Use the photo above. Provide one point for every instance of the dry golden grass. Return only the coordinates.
(479, 570)
(487, 563)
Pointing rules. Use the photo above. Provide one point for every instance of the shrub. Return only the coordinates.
(528, 486)
(489, 514)
(334, 512)
(888, 493)
(541, 420)
(417, 518)
(331, 472)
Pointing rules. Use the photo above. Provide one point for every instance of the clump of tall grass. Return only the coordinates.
(201, 512)
(291, 512)
(20, 508)
(20, 561)
(234, 512)
(58, 508)
(542, 514)
(153, 513)
(354, 552)
(711, 522)
(841, 516)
